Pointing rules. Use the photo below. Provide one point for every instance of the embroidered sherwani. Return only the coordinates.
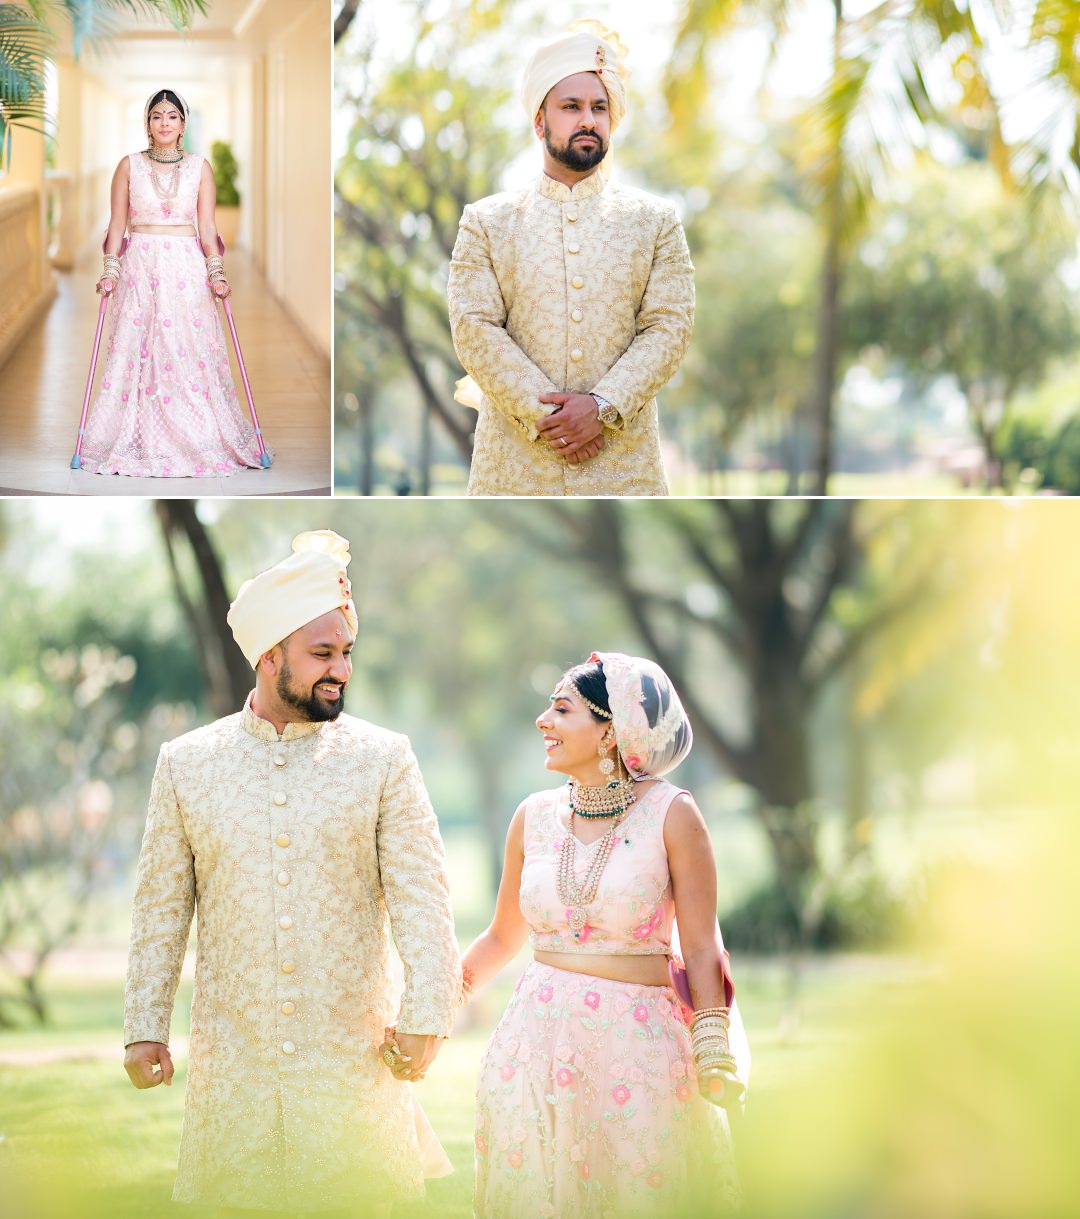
(303, 852)
(580, 290)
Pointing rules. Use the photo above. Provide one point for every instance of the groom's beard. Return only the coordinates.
(574, 157)
(312, 706)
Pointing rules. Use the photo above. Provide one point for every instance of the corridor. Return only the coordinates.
(42, 386)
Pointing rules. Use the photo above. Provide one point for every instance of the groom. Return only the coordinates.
(306, 838)
(571, 302)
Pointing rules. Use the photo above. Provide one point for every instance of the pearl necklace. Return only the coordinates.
(576, 897)
(166, 189)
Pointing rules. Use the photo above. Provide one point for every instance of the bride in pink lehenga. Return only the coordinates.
(167, 405)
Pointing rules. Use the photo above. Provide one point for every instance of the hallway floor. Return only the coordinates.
(42, 386)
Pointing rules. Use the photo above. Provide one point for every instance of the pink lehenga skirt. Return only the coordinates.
(167, 405)
(587, 1106)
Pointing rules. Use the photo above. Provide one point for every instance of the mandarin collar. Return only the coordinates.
(561, 193)
(263, 730)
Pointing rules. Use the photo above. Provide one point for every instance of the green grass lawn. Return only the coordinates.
(86, 1145)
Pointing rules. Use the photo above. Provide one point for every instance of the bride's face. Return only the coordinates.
(166, 124)
(572, 736)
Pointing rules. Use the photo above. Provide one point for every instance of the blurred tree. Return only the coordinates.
(425, 141)
(63, 748)
(878, 98)
(965, 280)
(226, 674)
(780, 595)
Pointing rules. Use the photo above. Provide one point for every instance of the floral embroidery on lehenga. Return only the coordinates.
(587, 1106)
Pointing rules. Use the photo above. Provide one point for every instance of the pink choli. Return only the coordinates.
(144, 207)
(634, 907)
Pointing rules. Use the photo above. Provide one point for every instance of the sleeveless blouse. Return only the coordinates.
(634, 907)
(144, 206)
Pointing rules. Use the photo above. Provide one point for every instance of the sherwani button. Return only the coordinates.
(576, 354)
(284, 922)
(287, 1047)
(571, 216)
(279, 759)
(288, 967)
(573, 247)
(280, 798)
(287, 1008)
(576, 315)
(283, 840)
(283, 878)
(578, 282)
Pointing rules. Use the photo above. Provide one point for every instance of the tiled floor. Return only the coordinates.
(42, 386)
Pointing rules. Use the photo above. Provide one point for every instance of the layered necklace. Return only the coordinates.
(592, 803)
(165, 189)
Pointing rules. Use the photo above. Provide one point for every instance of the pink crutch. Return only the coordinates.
(264, 456)
(76, 460)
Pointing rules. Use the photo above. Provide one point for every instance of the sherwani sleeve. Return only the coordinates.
(508, 378)
(412, 868)
(664, 324)
(161, 915)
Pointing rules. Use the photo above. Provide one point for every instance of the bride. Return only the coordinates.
(603, 1089)
(167, 405)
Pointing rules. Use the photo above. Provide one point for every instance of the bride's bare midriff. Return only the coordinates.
(166, 230)
(649, 969)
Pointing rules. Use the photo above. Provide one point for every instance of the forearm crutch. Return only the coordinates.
(76, 460)
(264, 456)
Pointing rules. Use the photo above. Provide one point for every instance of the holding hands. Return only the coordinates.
(408, 1055)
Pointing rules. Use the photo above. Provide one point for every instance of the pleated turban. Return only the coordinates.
(311, 582)
(652, 732)
(589, 48)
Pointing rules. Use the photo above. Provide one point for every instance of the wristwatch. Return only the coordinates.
(609, 416)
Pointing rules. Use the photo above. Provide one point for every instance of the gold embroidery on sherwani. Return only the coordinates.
(575, 291)
(303, 852)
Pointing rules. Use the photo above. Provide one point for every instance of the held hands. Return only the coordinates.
(148, 1064)
(408, 1055)
(573, 430)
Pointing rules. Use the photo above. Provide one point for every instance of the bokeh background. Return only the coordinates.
(884, 698)
(880, 201)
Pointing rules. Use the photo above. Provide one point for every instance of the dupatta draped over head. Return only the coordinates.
(652, 731)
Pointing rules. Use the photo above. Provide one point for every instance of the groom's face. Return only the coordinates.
(316, 665)
(575, 121)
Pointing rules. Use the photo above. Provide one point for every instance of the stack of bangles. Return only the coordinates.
(215, 271)
(111, 268)
(713, 1060)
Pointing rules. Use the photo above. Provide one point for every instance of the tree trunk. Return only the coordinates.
(367, 440)
(829, 320)
(222, 663)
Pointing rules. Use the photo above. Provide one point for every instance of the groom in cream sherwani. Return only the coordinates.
(306, 838)
(572, 301)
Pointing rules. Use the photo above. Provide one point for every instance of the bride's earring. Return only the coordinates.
(606, 764)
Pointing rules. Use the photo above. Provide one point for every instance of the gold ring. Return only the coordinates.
(390, 1057)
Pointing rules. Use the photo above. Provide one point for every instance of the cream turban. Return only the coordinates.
(590, 48)
(311, 582)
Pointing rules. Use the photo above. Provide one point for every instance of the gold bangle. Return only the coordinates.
(724, 1012)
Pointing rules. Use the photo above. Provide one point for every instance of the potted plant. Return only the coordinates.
(225, 170)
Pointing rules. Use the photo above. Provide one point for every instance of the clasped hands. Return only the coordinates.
(574, 429)
(408, 1055)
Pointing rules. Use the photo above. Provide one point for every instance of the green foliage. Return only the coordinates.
(961, 279)
(225, 170)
